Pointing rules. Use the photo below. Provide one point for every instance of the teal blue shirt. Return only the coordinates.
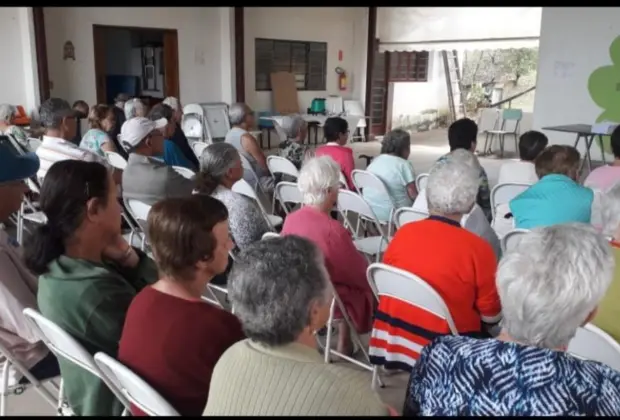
(553, 200)
(173, 156)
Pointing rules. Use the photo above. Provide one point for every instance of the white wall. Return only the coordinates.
(18, 67)
(573, 43)
(343, 28)
(200, 70)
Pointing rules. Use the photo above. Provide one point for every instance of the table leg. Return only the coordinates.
(589, 141)
(600, 142)
(583, 161)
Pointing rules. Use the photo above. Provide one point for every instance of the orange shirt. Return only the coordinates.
(459, 265)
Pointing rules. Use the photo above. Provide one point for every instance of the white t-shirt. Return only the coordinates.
(518, 172)
(54, 149)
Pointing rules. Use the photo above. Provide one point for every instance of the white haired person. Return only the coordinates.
(550, 284)
(133, 108)
(8, 127)
(178, 137)
(293, 149)
(608, 312)
(281, 293)
(242, 120)
(459, 265)
(476, 221)
(319, 184)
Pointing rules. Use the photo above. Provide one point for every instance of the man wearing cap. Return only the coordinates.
(146, 178)
(18, 286)
(60, 124)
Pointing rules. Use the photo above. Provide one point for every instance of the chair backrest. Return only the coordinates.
(334, 104)
(512, 238)
(288, 192)
(185, 172)
(198, 147)
(134, 388)
(421, 181)
(138, 209)
(348, 201)
(592, 343)
(280, 165)
(270, 235)
(116, 160)
(193, 109)
(504, 193)
(247, 167)
(353, 107)
(406, 215)
(243, 187)
(362, 179)
(512, 114)
(343, 181)
(34, 143)
(394, 282)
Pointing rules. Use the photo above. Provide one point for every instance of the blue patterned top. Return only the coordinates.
(462, 376)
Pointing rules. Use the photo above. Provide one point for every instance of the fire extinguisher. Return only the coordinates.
(342, 78)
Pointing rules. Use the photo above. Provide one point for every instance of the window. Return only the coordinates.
(409, 66)
(306, 60)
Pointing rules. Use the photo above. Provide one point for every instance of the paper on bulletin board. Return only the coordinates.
(284, 93)
(563, 69)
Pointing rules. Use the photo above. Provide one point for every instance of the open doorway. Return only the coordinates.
(141, 62)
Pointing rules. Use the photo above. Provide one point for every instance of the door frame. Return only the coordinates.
(371, 48)
(100, 83)
(239, 54)
(38, 21)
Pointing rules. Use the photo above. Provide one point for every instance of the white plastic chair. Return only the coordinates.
(406, 215)
(504, 193)
(140, 212)
(116, 161)
(364, 179)
(242, 187)
(592, 343)
(348, 201)
(198, 147)
(280, 165)
(270, 235)
(353, 107)
(62, 344)
(34, 144)
(421, 181)
(393, 282)
(193, 122)
(343, 182)
(184, 172)
(512, 238)
(133, 387)
(288, 192)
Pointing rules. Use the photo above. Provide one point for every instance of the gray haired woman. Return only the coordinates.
(295, 128)
(550, 284)
(133, 108)
(395, 170)
(220, 168)
(281, 293)
(7, 115)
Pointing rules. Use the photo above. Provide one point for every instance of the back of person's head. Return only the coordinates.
(531, 143)
(98, 114)
(216, 163)
(53, 112)
(397, 143)
(610, 211)
(452, 188)
(120, 99)
(189, 236)
(81, 107)
(335, 128)
(133, 108)
(466, 157)
(551, 283)
(277, 286)
(160, 111)
(317, 178)
(238, 113)
(292, 125)
(71, 189)
(463, 134)
(615, 142)
(558, 159)
(7, 112)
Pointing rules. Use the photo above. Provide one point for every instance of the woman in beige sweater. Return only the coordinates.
(280, 291)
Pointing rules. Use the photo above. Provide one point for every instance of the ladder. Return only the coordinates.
(456, 101)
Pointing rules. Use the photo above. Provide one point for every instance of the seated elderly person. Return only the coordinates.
(119, 117)
(81, 109)
(319, 184)
(523, 171)
(295, 128)
(173, 155)
(550, 284)
(96, 139)
(475, 221)
(133, 108)
(457, 263)
(557, 198)
(147, 178)
(608, 312)
(172, 338)
(242, 120)
(178, 136)
(604, 177)
(336, 132)
(220, 169)
(8, 128)
(88, 274)
(396, 172)
(281, 293)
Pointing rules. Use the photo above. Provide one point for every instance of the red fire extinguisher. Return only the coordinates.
(342, 78)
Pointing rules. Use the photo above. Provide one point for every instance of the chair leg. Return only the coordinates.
(501, 146)
(328, 335)
(5, 385)
(486, 142)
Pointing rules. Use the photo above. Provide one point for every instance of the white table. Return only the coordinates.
(352, 121)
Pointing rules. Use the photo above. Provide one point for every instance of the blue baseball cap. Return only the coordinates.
(16, 167)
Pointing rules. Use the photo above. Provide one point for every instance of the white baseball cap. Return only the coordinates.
(136, 129)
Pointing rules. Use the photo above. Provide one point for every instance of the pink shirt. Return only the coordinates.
(603, 178)
(343, 156)
(346, 266)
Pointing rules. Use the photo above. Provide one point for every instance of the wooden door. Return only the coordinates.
(100, 69)
(171, 64)
(41, 50)
(378, 102)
